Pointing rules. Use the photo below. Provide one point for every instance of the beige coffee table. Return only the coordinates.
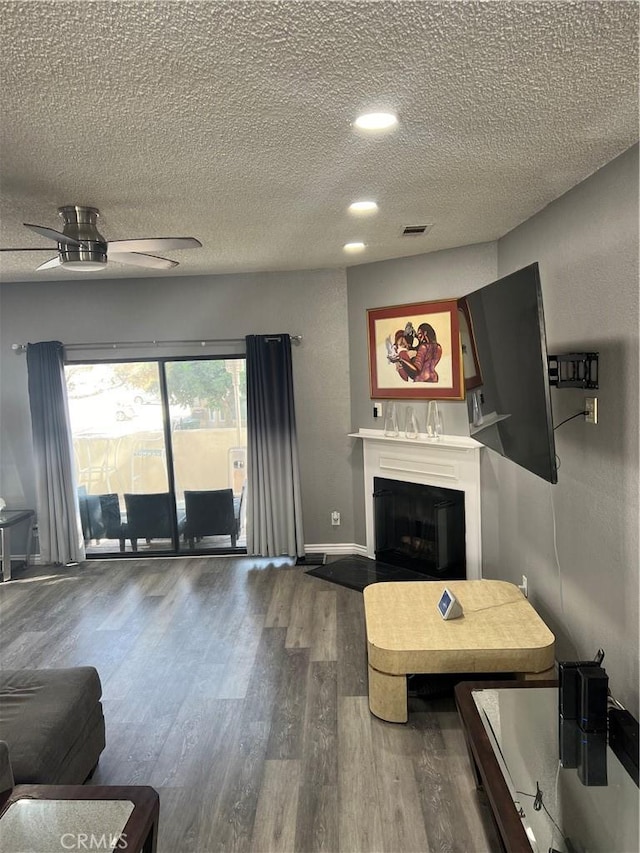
(498, 632)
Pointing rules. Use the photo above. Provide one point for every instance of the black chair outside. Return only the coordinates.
(100, 517)
(111, 519)
(210, 513)
(148, 517)
(90, 516)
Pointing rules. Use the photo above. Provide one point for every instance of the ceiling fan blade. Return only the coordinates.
(153, 244)
(138, 260)
(49, 265)
(47, 249)
(58, 236)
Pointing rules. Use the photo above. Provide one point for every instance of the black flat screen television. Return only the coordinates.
(504, 353)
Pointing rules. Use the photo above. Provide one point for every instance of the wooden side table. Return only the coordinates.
(8, 518)
(59, 818)
(499, 632)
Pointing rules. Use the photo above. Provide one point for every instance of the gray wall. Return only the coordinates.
(420, 278)
(311, 303)
(585, 578)
(577, 542)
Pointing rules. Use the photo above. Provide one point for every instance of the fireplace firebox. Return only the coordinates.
(420, 527)
(452, 462)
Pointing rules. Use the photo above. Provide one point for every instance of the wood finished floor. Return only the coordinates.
(237, 688)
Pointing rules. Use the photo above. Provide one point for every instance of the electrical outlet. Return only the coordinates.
(335, 518)
(377, 410)
(591, 410)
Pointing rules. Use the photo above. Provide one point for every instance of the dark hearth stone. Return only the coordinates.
(357, 572)
(311, 559)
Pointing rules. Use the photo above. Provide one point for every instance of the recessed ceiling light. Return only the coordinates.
(354, 247)
(363, 207)
(376, 121)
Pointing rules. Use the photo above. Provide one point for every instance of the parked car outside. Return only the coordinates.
(125, 411)
(145, 398)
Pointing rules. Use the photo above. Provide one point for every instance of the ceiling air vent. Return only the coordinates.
(416, 230)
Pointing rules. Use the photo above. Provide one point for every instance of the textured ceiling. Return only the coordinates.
(232, 122)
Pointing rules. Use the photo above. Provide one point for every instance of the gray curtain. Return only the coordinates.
(274, 516)
(59, 528)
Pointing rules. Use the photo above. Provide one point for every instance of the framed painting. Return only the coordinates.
(470, 364)
(414, 351)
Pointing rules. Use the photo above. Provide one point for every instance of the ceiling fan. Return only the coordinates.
(82, 248)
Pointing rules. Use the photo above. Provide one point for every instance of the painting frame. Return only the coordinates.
(423, 364)
(472, 376)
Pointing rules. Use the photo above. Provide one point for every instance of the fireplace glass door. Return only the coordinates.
(421, 528)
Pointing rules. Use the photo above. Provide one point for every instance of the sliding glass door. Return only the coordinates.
(160, 452)
(209, 452)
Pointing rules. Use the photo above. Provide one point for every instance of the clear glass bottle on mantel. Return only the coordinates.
(476, 409)
(411, 423)
(434, 421)
(391, 420)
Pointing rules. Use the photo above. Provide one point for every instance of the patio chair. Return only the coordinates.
(100, 517)
(210, 513)
(148, 517)
(90, 515)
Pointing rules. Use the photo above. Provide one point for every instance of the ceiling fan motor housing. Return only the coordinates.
(81, 224)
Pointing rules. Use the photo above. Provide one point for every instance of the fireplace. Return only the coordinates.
(451, 464)
(420, 527)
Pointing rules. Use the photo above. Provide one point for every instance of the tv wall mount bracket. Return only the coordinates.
(573, 370)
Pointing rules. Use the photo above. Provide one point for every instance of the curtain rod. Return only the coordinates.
(295, 339)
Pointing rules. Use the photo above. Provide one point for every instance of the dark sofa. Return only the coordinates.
(52, 723)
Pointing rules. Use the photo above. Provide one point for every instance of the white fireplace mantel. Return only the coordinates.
(451, 462)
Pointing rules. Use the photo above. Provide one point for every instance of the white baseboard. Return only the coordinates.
(322, 548)
(336, 548)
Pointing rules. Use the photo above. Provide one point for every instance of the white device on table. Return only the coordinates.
(449, 606)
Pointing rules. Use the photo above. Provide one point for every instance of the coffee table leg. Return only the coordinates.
(388, 696)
